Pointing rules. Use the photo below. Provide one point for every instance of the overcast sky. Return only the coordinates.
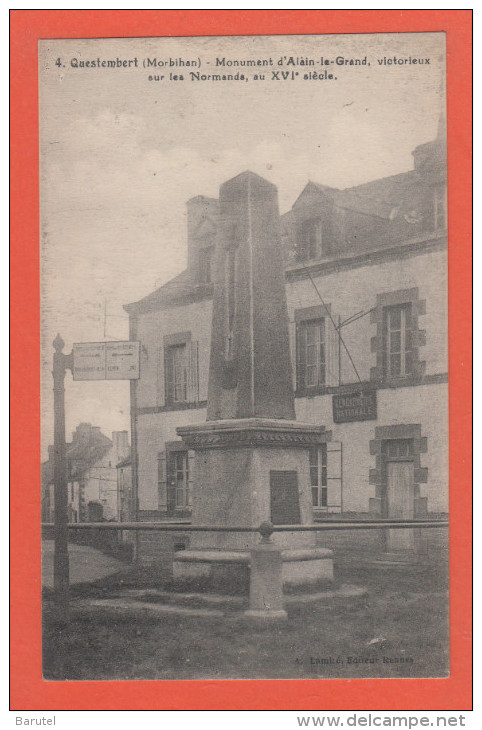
(120, 155)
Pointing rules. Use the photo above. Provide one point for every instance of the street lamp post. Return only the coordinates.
(61, 556)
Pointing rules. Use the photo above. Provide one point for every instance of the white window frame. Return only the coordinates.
(309, 364)
(390, 332)
(177, 384)
(319, 476)
(183, 494)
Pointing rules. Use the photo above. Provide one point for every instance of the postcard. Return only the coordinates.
(244, 266)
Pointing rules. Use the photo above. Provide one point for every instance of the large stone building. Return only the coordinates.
(366, 287)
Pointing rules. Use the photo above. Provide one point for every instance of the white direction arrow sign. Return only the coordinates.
(106, 361)
(121, 360)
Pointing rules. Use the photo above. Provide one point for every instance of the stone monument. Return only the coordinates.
(252, 456)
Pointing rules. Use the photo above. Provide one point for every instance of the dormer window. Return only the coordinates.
(440, 207)
(206, 256)
(309, 239)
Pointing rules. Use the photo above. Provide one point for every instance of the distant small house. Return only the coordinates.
(91, 473)
(125, 498)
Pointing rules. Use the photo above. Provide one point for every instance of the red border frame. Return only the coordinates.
(28, 690)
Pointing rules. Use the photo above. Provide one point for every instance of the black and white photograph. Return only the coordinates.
(244, 378)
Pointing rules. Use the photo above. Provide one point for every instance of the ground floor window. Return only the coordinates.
(175, 467)
(319, 475)
(326, 477)
(181, 479)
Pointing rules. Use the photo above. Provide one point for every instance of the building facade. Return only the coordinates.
(366, 287)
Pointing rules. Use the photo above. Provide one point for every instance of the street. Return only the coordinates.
(86, 564)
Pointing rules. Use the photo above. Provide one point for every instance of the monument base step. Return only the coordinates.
(153, 604)
(396, 559)
(191, 598)
(300, 566)
(128, 609)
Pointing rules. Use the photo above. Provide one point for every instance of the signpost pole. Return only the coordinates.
(61, 556)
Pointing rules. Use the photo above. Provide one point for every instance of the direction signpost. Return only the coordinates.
(87, 361)
(61, 555)
(106, 361)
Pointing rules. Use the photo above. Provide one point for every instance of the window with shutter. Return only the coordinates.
(398, 336)
(181, 373)
(309, 244)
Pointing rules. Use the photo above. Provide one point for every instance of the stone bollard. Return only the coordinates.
(266, 579)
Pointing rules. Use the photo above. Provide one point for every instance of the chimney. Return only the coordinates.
(120, 440)
(82, 432)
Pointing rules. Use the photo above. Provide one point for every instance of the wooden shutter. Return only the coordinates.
(409, 340)
(192, 348)
(300, 356)
(384, 344)
(162, 480)
(168, 376)
(191, 465)
(334, 476)
(331, 352)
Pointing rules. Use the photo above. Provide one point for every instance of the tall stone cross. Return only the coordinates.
(250, 370)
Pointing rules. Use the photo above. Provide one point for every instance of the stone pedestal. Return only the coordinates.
(266, 583)
(249, 471)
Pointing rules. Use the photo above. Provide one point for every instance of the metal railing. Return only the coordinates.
(317, 527)
(265, 529)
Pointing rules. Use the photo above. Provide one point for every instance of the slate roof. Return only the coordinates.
(177, 289)
(382, 199)
(377, 198)
(328, 191)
